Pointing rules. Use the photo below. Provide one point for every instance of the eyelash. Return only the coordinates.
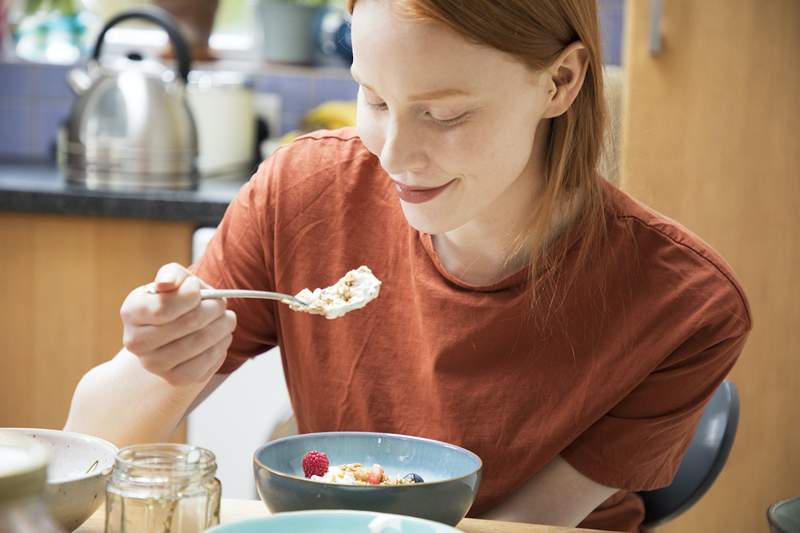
(449, 123)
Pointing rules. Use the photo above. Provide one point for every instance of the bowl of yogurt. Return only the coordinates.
(378, 472)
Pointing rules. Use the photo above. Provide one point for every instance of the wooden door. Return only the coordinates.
(710, 138)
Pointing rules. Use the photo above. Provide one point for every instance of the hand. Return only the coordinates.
(176, 335)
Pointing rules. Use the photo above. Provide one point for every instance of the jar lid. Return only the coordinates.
(23, 467)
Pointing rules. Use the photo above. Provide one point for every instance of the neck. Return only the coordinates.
(498, 243)
(482, 251)
(488, 248)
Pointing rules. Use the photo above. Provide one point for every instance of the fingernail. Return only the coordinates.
(166, 279)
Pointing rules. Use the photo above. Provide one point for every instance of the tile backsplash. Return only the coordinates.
(35, 98)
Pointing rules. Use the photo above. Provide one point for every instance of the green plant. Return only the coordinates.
(65, 7)
(309, 2)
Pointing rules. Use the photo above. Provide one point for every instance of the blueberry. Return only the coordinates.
(416, 478)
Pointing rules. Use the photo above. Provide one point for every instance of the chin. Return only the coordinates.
(433, 222)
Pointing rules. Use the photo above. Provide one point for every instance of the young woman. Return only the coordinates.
(530, 311)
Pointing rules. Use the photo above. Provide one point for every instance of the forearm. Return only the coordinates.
(121, 402)
(557, 495)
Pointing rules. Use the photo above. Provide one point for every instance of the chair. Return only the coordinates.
(703, 461)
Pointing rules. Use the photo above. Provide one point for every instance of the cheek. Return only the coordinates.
(369, 129)
(480, 150)
(511, 145)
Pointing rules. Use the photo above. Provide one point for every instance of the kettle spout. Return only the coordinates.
(79, 80)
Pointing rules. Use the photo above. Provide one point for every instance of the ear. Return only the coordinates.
(566, 76)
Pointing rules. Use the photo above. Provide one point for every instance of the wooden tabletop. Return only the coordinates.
(235, 510)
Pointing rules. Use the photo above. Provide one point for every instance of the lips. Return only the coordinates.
(415, 194)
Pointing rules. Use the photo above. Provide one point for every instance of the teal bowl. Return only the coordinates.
(334, 522)
(452, 475)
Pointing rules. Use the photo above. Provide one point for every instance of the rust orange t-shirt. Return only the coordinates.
(615, 385)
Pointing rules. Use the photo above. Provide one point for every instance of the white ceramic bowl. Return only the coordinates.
(78, 468)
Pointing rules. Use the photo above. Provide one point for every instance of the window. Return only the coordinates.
(232, 37)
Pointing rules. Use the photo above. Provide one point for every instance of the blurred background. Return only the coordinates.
(704, 102)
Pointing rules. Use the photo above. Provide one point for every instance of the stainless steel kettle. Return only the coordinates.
(130, 126)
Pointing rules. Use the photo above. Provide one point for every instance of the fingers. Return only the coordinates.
(201, 367)
(174, 333)
(142, 339)
(168, 356)
(143, 308)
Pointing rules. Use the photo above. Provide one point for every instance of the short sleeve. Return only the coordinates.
(639, 444)
(239, 256)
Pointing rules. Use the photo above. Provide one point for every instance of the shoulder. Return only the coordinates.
(325, 167)
(673, 258)
(319, 155)
(326, 148)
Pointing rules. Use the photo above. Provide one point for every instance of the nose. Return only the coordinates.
(403, 150)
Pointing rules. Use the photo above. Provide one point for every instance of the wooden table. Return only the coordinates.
(235, 510)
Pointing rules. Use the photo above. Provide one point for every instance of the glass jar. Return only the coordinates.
(162, 488)
(23, 479)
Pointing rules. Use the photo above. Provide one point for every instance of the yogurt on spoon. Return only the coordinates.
(355, 290)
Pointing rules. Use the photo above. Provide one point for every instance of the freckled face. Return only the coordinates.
(452, 123)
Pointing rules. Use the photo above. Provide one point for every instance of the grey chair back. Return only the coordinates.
(703, 461)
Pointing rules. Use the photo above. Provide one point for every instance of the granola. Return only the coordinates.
(358, 474)
(355, 290)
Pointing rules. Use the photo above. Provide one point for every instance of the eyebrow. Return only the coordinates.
(430, 95)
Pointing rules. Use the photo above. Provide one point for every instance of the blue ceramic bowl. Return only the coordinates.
(451, 475)
(334, 522)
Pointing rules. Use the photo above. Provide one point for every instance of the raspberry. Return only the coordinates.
(375, 475)
(315, 463)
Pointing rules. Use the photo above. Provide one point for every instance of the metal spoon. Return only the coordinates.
(207, 294)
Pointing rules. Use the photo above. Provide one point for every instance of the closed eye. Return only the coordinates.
(450, 122)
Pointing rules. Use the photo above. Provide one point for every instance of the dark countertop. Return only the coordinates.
(38, 187)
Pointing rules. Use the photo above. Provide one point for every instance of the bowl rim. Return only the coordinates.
(376, 514)
(472, 454)
(81, 437)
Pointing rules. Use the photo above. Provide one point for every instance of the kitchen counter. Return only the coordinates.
(40, 188)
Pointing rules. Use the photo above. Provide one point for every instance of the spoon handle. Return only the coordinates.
(206, 294)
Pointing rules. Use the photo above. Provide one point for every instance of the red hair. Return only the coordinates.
(536, 32)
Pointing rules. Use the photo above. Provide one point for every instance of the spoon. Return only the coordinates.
(207, 294)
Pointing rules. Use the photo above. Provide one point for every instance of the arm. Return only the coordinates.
(557, 495)
(174, 341)
(174, 344)
(125, 404)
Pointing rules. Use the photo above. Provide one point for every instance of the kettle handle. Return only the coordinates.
(160, 18)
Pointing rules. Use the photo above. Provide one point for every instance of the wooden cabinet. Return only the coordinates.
(62, 281)
(710, 138)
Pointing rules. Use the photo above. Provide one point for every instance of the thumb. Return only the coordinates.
(170, 277)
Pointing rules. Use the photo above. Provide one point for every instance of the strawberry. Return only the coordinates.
(375, 475)
(315, 463)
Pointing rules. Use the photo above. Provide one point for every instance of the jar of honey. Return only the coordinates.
(162, 488)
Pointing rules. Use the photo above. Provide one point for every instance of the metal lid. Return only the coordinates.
(23, 467)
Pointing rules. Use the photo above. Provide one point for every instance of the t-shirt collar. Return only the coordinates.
(516, 279)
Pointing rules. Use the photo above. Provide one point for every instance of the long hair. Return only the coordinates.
(536, 32)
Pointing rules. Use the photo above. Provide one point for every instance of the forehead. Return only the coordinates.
(392, 49)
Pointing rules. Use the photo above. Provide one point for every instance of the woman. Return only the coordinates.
(530, 311)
